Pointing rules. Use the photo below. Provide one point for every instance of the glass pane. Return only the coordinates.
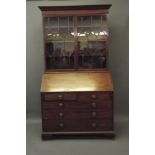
(70, 21)
(96, 20)
(63, 21)
(84, 21)
(59, 44)
(92, 37)
(53, 21)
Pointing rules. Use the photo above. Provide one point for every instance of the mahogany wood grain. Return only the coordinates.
(99, 97)
(78, 125)
(74, 13)
(78, 105)
(76, 101)
(56, 96)
(74, 114)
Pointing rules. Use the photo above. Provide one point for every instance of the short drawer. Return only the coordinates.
(87, 97)
(59, 96)
(78, 125)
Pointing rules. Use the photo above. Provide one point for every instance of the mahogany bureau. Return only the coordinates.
(76, 87)
(75, 103)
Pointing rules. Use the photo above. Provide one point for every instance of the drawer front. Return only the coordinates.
(89, 97)
(77, 105)
(82, 97)
(77, 114)
(78, 125)
(59, 96)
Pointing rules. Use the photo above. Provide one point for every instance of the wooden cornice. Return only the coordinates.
(79, 7)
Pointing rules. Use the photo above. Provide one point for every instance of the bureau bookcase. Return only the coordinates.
(76, 89)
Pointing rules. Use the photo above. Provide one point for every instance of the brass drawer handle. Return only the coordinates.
(94, 114)
(93, 96)
(61, 125)
(93, 104)
(60, 97)
(61, 114)
(61, 104)
(94, 125)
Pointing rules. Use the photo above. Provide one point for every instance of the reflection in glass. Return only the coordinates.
(59, 42)
(92, 36)
(84, 21)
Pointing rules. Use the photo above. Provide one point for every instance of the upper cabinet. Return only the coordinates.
(75, 37)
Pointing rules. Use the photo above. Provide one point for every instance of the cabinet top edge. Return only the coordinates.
(75, 7)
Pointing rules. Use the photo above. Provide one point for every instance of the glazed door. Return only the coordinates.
(59, 42)
(92, 34)
(78, 42)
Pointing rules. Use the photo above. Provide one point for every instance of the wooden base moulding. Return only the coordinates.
(78, 135)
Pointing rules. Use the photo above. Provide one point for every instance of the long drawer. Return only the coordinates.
(82, 105)
(78, 125)
(76, 114)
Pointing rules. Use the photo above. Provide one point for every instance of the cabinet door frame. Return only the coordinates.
(75, 14)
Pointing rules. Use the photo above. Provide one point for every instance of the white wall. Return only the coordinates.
(118, 61)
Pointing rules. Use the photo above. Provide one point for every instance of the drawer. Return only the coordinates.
(77, 105)
(59, 96)
(77, 114)
(87, 97)
(78, 125)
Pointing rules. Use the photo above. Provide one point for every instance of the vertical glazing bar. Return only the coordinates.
(101, 30)
(91, 29)
(81, 20)
(48, 24)
(91, 20)
(107, 44)
(75, 43)
(48, 21)
(68, 55)
(101, 20)
(58, 24)
(68, 24)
